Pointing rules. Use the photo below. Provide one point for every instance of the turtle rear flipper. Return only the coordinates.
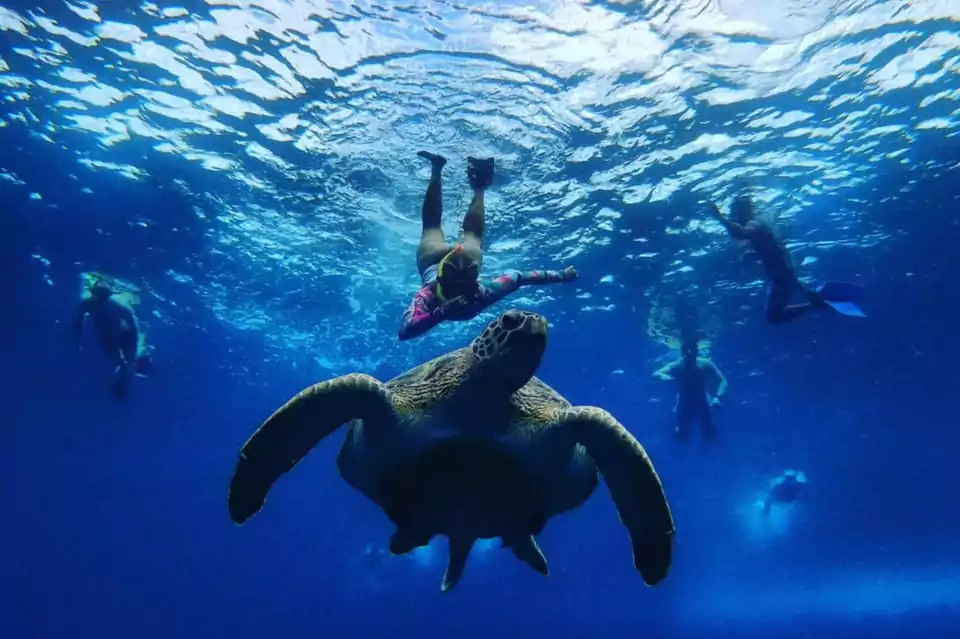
(295, 428)
(404, 541)
(458, 553)
(528, 551)
(634, 486)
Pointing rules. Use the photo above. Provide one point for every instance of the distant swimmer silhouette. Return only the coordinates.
(117, 330)
(785, 489)
(700, 385)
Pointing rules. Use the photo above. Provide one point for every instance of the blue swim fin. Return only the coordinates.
(842, 297)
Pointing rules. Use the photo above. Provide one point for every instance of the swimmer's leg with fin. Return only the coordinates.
(480, 176)
(779, 308)
(433, 245)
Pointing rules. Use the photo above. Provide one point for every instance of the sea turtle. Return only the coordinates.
(469, 445)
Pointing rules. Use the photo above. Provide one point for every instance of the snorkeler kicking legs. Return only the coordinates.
(433, 246)
(451, 288)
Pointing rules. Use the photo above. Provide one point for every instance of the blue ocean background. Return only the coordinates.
(250, 166)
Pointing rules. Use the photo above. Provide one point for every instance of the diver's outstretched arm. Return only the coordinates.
(421, 315)
(737, 231)
(494, 290)
(668, 372)
(534, 278)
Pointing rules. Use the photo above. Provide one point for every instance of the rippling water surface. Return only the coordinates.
(309, 113)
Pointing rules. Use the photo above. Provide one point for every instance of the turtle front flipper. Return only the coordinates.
(634, 486)
(295, 428)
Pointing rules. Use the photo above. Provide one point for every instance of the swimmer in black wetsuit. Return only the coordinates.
(744, 224)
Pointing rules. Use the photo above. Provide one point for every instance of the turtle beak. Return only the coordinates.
(538, 326)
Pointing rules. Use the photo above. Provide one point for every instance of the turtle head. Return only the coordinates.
(508, 351)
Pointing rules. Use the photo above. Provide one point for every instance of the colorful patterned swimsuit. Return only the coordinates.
(425, 310)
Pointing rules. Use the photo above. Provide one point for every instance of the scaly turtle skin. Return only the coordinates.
(469, 445)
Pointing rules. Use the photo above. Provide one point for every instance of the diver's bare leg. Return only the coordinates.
(480, 176)
(433, 245)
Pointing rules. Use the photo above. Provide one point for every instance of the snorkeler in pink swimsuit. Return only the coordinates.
(452, 289)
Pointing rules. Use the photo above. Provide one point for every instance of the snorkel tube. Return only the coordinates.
(446, 259)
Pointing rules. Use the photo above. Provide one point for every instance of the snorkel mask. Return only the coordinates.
(459, 270)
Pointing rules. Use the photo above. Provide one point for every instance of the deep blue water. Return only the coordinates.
(261, 276)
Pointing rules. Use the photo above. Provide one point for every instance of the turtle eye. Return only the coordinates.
(510, 322)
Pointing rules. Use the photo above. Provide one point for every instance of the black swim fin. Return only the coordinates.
(437, 161)
(480, 172)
